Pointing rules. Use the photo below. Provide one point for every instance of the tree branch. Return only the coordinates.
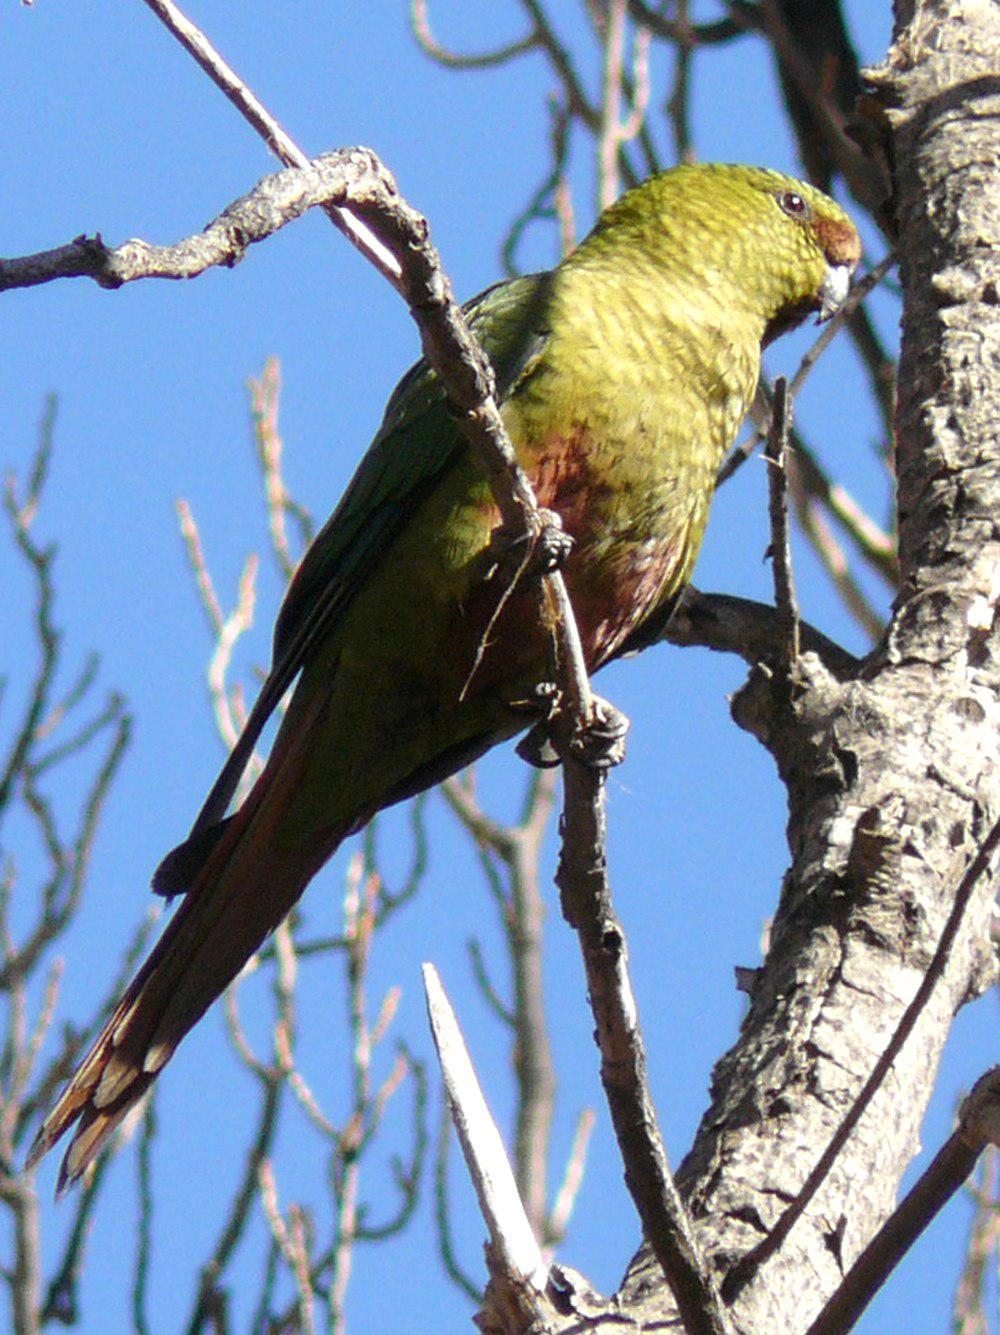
(780, 550)
(586, 904)
(256, 114)
(518, 1270)
(754, 631)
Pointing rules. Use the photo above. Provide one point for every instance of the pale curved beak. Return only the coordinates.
(833, 293)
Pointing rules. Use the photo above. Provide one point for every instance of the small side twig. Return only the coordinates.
(290, 1239)
(256, 114)
(510, 856)
(227, 702)
(556, 1223)
(62, 1302)
(144, 1249)
(678, 106)
(265, 395)
(552, 200)
(454, 60)
(614, 132)
(982, 1249)
(780, 550)
(442, 1212)
(208, 1295)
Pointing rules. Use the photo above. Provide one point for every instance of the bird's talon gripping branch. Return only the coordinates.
(552, 544)
(541, 550)
(600, 741)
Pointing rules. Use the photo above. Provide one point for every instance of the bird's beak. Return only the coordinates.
(834, 291)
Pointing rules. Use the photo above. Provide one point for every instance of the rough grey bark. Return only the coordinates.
(892, 772)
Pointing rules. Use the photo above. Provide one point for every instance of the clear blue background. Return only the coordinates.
(107, 126)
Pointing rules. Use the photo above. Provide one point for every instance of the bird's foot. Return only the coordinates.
(535, 553)
(598, 742)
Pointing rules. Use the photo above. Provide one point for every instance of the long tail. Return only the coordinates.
(250, 880)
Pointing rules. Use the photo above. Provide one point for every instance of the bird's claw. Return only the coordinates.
(552, 544)
(547, 547)
(600, 740)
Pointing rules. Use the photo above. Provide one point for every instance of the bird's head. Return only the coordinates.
(742, 239)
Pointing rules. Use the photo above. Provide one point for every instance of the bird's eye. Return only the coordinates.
(793, 204)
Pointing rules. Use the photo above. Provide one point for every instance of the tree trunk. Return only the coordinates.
(893, 774)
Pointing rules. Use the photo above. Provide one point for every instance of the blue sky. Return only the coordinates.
(108, 126)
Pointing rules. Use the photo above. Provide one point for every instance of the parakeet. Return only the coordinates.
(623, 375)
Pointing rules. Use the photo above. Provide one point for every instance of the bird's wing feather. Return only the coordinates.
(415, 445)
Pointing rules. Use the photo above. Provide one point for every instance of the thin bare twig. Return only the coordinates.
(678, 107)
(62, 1295)
(290, 1240)
(552, 199)
(874, 543)
(486, 986)
(144, 1241)
(679, 30)
(562, 65)
(558, 1219)
(208, 1296)
(452, 60)
(614, 132)
(516, 849)
(442, 1213)
(780, 550)
(812, 517)
(265, 395)
(533, 1063)
(586, 903)
(969, 1309)
(255, 113)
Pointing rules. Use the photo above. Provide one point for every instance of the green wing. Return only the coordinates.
(415, 445)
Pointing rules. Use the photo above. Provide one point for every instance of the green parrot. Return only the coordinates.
(623, 375)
